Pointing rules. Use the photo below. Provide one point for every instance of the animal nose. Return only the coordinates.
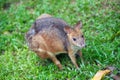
(83, 45)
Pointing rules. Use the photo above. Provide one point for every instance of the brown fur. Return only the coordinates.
(44, 16)
(50, 36)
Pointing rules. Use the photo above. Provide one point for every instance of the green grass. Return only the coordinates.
(101, 23)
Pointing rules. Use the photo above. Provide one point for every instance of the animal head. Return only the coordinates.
(75, 35)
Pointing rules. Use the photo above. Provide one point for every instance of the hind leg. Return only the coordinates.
(55, 60)
(44, 54)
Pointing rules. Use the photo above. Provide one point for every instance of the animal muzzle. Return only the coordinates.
(82, 44)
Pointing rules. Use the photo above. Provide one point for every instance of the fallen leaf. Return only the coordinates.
(100, 74)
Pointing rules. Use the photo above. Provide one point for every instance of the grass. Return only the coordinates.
(101, 23)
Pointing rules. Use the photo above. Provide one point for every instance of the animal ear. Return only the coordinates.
(78, 25)
(67, 29)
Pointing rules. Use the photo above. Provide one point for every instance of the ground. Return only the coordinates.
(101, 28)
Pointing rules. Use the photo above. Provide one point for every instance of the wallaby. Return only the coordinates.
(51, 36)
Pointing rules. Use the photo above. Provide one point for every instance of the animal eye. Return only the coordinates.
(74, 39)
(82, 36)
